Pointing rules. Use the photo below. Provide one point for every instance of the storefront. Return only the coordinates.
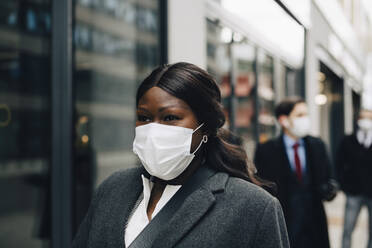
(68, 75)
(69, 71)
(334, 73)
(253, 73)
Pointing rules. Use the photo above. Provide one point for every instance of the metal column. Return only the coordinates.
(62, 114)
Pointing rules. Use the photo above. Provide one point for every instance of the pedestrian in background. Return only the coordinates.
(354, 171)
(299, 166)
(194, 188)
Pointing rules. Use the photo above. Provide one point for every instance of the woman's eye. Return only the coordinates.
(171, 118)
(143, 118)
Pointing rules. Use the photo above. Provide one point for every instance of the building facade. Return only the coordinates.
(69, 72)
(68, 76)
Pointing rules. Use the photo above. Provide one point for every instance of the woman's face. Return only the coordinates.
(156, 105)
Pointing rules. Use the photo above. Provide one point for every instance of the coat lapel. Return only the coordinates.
(192, 210)
(310, 171)
(284, 158)
(127, 195)
(308, 156)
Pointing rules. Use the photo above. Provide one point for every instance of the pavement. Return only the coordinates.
(335, 215)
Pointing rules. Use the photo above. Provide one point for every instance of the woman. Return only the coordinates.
(202, 183)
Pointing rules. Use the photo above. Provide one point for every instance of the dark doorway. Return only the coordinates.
(332, 111)
(356, 107)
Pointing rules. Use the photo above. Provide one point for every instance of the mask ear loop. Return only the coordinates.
(204, 140)
(196, 129)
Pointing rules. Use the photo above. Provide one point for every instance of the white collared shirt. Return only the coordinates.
(364, 138)
(139, 220)
(289, 142)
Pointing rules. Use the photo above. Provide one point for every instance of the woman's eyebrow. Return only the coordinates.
(142, 109)
(173, 106)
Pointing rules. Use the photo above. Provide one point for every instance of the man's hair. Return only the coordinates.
(286, 106)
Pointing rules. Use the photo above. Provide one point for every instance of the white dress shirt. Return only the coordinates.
(365, 138)
(139, 220)
(289, 142)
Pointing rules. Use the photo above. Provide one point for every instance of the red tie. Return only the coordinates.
(297, 162)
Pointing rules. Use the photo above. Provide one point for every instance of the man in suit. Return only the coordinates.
(299, 166)
(354, 170)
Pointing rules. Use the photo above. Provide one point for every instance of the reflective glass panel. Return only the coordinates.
(116, 46)
(219, 64)
(244, 91)
(25, 123)
(266, 97)
(294, 83)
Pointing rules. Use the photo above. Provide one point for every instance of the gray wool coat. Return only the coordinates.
(224, 212)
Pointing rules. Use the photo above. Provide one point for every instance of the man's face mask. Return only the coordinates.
(298, 126)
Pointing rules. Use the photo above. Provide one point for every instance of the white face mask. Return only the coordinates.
(300, 126)
(365, 124)
(164, 150)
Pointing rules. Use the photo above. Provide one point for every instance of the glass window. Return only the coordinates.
(25, 123)
(294, 83)
(116, 46)
(266, 97)
(219, 65)
(232, 64)
(244, 92)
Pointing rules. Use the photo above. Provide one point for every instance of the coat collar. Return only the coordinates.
(128, 192)
(192, 210)
(284, 157)
(282, 153)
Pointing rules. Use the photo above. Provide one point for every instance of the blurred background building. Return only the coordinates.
(69, 71)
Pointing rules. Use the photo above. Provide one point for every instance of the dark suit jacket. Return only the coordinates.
(354, 167)
(272, 164)
(224, 212)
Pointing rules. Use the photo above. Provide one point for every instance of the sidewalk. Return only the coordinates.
(335, 213)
